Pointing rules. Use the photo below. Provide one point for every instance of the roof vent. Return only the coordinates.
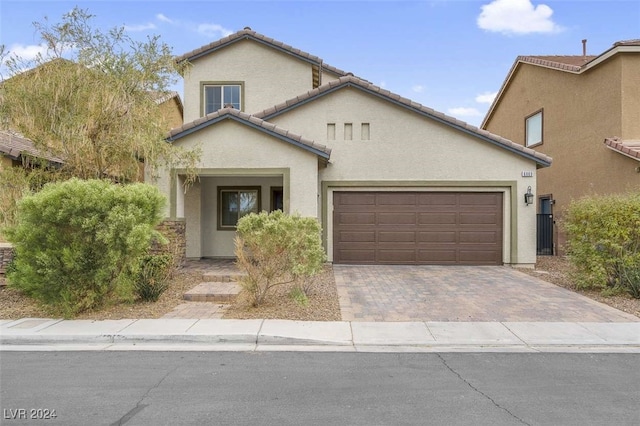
(584, 48)
(247, 28)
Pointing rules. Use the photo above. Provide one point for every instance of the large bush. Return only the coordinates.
(77, 242)
(603, 241)
(275, 249)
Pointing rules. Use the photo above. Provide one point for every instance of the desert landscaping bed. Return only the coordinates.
(323, 302)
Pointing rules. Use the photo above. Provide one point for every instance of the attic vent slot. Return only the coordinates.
(315, 76)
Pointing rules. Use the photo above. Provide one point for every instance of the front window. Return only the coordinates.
(234, 203)
(533, 129)
(217, 96)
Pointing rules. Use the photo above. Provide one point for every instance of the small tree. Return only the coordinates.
(275, 249)
(603, 241)
(77, 242)
(90, 100)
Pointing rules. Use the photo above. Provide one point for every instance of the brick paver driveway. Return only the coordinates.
(460, 293)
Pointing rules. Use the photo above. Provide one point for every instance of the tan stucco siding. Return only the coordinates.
(406, 147)
(580, 111)
(5, 162)
(269, 77)
(171, 114)
(630, 96)
(230, 149)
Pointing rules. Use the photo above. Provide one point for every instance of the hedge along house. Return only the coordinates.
(390, 180)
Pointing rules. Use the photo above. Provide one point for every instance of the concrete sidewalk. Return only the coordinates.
(260, 335)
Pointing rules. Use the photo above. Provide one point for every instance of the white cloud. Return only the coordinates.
(517, 17)
(213, 30)
(383, 84)
(486, 97)
(464, 112)
(418, 88)
(162, 18)
(141, 27)
(27, 52)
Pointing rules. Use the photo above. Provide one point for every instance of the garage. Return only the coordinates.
(436, 228)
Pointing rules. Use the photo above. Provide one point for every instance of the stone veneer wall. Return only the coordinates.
(175, 231)
(6, 254)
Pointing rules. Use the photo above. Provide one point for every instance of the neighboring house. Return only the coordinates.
(584, 111)
(17, 150)
(390, 180)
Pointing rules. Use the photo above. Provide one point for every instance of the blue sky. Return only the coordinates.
(450, 55)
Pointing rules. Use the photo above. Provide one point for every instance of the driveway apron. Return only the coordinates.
(460, 293)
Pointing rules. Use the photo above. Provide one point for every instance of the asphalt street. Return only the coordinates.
(306, 388)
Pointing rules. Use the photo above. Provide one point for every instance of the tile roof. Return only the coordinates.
(248, 33)
(351, 81)
(253, 121)
(566, 62)
(14, 145)
(162, 97)
(630, 148)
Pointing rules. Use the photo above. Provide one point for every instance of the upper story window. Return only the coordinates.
(216, 96)
(533, 129)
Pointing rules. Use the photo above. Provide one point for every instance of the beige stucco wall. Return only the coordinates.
(232, 149)
(220, 243)
(580, 111)
(5, 162)
(405, 147)
(269, 76)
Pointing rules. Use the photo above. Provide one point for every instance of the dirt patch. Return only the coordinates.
(557, 269)
(323, 304)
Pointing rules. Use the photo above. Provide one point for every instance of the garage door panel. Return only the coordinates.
(357, 236)
(437, 256)
(478, 237)
(437, 199)
(358, 256)
(477, 199)
(356, 199)
(418, 228)
(478, 218)
(480, 256)
(445, 218)
(397, 199)
(355, 218)
(396, 237)
(437, 237)
(396, 219)
(396, 256)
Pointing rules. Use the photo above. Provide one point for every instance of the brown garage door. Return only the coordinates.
(437, 228)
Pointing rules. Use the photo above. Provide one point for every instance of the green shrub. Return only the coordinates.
(603, 241)
(275, 249)
(152, 276)
(76, 242)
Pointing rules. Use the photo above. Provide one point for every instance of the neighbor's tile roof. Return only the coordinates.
(351, 81)
(567, 63)
(630, 148)
(253, 121)
(248, 33)
(162, 97)
(14, 145)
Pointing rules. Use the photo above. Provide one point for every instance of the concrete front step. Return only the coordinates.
(221, 277)
(221, 292)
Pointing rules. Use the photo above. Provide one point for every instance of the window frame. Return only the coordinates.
(539, 112)
(222, 84)
(272, 191)
(237, 189)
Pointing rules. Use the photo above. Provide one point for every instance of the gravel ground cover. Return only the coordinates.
(323, 302)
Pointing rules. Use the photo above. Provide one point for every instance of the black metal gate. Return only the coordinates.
(544, 231)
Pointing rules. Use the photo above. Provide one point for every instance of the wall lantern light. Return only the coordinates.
(528, 197)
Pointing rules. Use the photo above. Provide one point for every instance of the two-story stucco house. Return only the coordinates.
(390, 180)
(582, 110)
